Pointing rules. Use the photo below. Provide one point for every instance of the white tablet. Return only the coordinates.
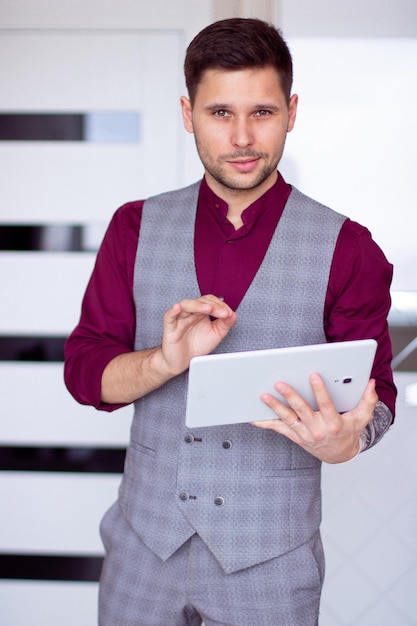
(226, 388)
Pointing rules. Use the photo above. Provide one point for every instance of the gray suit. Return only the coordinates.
(249, 494)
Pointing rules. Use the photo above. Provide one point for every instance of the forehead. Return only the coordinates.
(230, 85)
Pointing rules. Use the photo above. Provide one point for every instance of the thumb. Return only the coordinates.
(225, 323)
(369, 399)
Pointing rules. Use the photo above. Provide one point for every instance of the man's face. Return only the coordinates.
(240, 120)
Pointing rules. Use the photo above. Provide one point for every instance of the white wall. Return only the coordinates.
(354, 143)
(99, 56)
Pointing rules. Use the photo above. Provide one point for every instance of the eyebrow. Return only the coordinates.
(213, 107)
(256, 107)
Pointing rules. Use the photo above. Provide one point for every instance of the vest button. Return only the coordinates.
(219, 501)
(184, 496)
(227, 444)
(189, 438)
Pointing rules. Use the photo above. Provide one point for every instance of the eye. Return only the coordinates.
(221, 113)
(262, 113)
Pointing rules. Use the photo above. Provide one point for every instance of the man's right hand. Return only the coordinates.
(192, 327)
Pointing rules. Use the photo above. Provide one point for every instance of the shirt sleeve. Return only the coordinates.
(108, 322)
(358, 301)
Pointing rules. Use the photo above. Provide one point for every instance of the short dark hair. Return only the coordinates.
(237, 44)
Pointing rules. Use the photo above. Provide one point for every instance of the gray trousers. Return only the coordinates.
(137, 588)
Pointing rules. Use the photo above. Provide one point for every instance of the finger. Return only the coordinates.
(323, 398)
(187, 308)
(173, 314)
(285, 417)
(326, 417)
(370, 395)
(296, 403)
(279, 425)
(298, 415)
(281, 410)
(222, 316)
(220, 309)
(195, 305)
(367, 403)
(206, 305)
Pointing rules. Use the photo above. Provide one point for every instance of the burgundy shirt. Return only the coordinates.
(356, 307)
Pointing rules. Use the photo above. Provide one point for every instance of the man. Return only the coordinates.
(221, 524)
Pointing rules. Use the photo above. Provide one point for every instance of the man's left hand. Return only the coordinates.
(326, 434)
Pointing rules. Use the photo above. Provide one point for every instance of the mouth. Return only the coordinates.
(244, 165)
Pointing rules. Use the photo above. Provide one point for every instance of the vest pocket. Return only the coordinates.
(283, 458)
(140, 447)
(288, 473)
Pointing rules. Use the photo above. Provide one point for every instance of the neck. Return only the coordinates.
(239, 199)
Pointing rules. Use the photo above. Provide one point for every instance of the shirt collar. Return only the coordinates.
(274, 199)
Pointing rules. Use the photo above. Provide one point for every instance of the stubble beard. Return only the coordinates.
(242, 180)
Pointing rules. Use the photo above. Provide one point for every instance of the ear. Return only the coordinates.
(187, 114)
(292, 112)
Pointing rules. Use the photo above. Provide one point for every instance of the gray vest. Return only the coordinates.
(249, 493)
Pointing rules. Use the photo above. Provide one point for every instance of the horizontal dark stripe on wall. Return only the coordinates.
(40, 567)
(34, 348)
(60, 459)
(119, 127)
(41, 127)
(51, 238)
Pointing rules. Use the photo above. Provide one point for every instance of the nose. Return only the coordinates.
(242, 135)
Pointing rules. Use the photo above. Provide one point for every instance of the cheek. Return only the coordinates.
(276, 143)
(211, 142)
(273, 137)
